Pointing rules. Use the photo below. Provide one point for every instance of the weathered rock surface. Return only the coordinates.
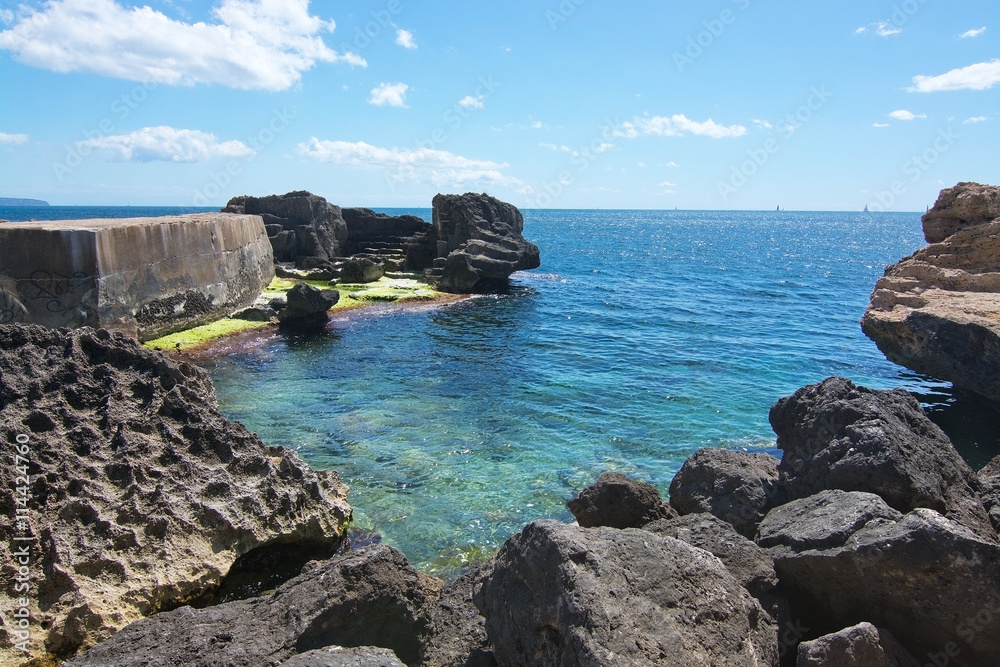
(306, 307)
(481, 238)
(142, 495)
(361, 270)
(938, 311)
(146, 277)
(862, 645)
(836, 435)
(369, 597)
(616, 501)
(458, 631)
(737, 487)
(564, 595)
(989, 478)
(303, 228)
(338, 656)
(398, 242)
(751, 565)
(928, 580)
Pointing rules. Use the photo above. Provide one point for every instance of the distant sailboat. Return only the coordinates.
(866, 208)
(779, 208)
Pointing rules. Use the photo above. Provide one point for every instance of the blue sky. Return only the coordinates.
(727, 104)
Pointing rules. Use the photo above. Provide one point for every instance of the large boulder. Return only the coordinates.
(480, 237)
(304, 228)
(861, 645)
(564, 595)
(458, 631)
(369, 597)
(836, 435)
(142, 495)
(937, 312)
(932, 583)
(361, 270)
(306, 307)
(737, 487)
(616, 501)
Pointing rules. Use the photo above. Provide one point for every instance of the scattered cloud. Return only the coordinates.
(880, 28)
(250, 44)
(536, 125)
(903, 114)
(166, 144)
(553, 147)
(973, 33)
(641, 164)
(668, 184)
(405, 39)
(14, 139)
(415, 164)
(880, 124)
(967, 121)
(470, 102)
(670, 164)
(389, 94)
(675, 126)
(762, 124)
(980, 76)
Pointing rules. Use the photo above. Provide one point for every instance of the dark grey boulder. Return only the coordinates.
(306, 307)
(338, 656)
(862, 645)
(931, 582)
(564, 595)
(989, 478)
(458, 631)
(737, 487)
(369, 597)
(616, 501)
(361, 270)
(836, 435)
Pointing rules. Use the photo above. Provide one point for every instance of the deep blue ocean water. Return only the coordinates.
(644, 336)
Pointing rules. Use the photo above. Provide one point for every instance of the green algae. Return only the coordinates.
(204, 334)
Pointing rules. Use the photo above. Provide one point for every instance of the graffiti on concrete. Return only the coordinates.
(11, 310)
(56, 293)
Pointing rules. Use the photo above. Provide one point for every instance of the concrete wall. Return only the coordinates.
(143, 276)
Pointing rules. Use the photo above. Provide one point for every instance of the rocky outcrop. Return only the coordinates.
(458, 631)
(564, 595)
(862, 645)
(616, 501)
(146, 277)
(480, 242)
(938, 311)
(989, 479)
(836, 435)
(142, 495)
(369, 597)
(338, 656)
(737, 487)
(397, 242)
(306, 307)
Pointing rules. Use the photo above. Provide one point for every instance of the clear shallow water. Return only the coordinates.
(644, 336)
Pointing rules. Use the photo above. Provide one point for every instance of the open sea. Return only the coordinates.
(644, 336)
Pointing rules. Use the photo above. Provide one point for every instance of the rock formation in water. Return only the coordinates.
(306, 307)
(938, 311)
(615, 501)
(142, 496)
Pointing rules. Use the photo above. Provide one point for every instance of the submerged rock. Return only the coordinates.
(564, 595)
(616, 501)
(142, 495)
(862, 645)
(938, 311)
(836, 435)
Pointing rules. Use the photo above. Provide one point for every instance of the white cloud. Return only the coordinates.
(762, 124)
(405, 39)
(675, 126)
(252, 44)
(553, 147)
(967, 121)
(13, 138)
(389, 94)
(976, 32)
(880, 124)
(881, 28)
(668, 184)
(470, 102)
(903, 114)
(671, 164)
(980, 76)
(415, 164)
(166, 144)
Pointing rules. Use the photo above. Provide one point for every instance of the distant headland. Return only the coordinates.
(14, 201)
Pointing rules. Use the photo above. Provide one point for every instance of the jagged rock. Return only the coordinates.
(481, 238)
(338, 656)
(931, 582)
(458, 631)
(752, 566)
(404, 242)
(963, 206)
(616, 501)
(564, 595)
(836, 435)
(361, 270)
(937, 312)
(369, 597)
(303, 228)
(306, 307)
(862, 645)
(737, 487)
(989, 478)
(256, 314)
(142, 495)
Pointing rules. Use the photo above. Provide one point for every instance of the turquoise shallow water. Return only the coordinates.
(643, 337)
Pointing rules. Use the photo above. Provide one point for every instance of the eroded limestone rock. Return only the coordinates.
(616, 501)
